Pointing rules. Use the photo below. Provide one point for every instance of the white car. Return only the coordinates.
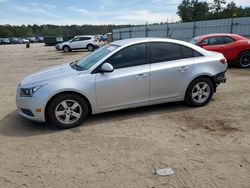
(24, 41)
(79, 42)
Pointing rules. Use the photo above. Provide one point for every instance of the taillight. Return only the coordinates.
(223, 60)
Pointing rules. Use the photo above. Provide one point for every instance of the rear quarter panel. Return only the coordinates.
(235, 48)
(207, 66)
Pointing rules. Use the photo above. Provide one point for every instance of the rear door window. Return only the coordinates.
(84, 38)
(163, 51)
(228, 40)
(187, 52)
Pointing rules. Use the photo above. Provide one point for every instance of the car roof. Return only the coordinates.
(128, 42)
(235, 36)
(84, 36)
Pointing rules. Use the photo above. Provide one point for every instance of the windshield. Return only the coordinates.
(95, 56)
(193, 41)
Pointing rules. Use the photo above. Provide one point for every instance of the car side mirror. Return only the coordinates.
(107, 67)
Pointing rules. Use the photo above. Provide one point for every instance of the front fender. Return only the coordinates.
(84, 84)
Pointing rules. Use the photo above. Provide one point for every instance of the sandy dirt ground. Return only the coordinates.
(206, 147)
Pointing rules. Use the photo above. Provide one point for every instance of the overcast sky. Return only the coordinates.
(63, 12)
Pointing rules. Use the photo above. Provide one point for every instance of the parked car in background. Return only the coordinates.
(79, 42)
(123, 74)
(24, 41)
(6, 41)
(234, 47)
(14, 40)
(32, 39)
(40, 39)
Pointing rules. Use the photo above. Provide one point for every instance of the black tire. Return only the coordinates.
(192, 89)
(90, 47)
(66, 49)
(55, 104)
(243, 59)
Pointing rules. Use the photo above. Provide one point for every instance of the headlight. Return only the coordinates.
(29, 92)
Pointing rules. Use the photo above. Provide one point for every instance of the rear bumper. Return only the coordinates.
(220, 78)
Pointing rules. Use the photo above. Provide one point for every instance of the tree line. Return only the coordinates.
(194, 10)
(55, 30)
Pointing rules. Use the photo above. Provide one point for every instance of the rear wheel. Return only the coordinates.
(67, 110)
(90, 48)
(66, 49)
(243, 60)
(199, 92)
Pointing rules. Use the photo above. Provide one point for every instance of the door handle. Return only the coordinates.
(182, 69)
(141, 76)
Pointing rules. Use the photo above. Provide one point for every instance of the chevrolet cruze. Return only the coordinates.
(123, 74)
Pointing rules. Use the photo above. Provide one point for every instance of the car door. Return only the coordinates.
(85, 41)
(170, 65)
(75, 43)
(230, 49)
(214, 44)
(128, 84)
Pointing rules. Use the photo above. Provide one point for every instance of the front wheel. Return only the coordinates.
(243, 60)
(66, 49)
(90, 48)
(67, 110)
(199, 92)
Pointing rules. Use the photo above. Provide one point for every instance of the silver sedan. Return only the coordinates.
(123, 74)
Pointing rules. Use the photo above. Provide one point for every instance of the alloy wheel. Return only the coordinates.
(201, 92)
(68, 111)
(245, 60)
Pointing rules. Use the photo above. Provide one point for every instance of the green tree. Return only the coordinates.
(193, 10)
(217, 5)
(200, 10)
(5, 32)
(55, 30)
(185, 11)
(196, 11)
(231, 10)
(242, 12)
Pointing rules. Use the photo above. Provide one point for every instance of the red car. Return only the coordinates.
(234, 47)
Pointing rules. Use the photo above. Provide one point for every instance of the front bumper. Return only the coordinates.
(57, 47)
(26, 107)
(96, 46)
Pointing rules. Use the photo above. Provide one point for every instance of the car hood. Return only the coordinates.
(62, 43)
(46, 75)
(66, 42)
